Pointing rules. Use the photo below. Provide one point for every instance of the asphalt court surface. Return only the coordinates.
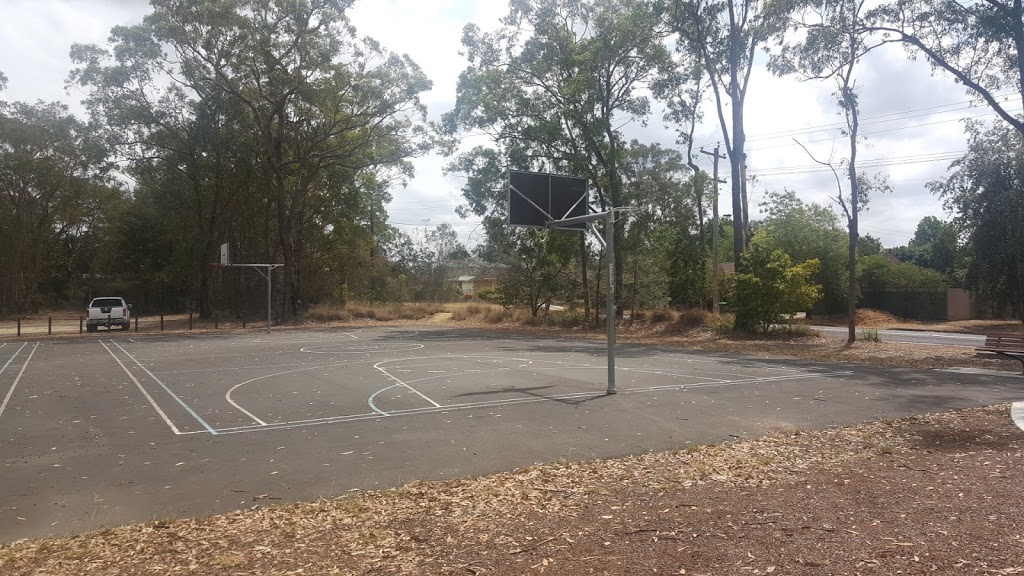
(101, 431)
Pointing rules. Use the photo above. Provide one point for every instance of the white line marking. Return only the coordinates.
(488, 403)
(18, 377)
(187, 408)
(4, 344)
(16, 352)
(363, 348)
(386, 373)
(144, 393)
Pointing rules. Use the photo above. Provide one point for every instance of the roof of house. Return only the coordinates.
(465, 278)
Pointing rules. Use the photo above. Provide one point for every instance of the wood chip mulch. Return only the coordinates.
(935, 494)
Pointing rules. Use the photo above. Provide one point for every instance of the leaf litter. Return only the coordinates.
(930, 494)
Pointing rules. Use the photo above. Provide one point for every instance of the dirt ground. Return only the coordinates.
(935, 494)
(869, 318)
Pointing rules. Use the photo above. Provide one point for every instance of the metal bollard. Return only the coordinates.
(190, 320)
(79, 324)
(136, 324)
(216, 322)
(19, 325)
(161, 322)
(49, 325)
(243, 321)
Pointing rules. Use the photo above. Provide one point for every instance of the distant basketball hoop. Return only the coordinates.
(225, 262)
(225, 254)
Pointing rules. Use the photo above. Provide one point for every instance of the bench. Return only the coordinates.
(1006, 344)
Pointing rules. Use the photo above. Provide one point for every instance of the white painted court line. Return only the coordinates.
(17, 378)
(11, 359)
(478, 359)
(511, 401)
(401, 383)
(143, 390)
(361, 348)
(187, 408)
(227, 395)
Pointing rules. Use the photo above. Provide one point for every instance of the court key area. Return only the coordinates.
(103, 431)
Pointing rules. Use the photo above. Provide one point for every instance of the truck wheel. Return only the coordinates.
(125, 326)
(90, 328)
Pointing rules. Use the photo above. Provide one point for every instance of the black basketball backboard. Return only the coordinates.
(536, 199)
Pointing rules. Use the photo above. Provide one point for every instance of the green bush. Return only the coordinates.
(774, 287)
(487, 295)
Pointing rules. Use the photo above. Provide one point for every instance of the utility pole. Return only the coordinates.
(714, 233)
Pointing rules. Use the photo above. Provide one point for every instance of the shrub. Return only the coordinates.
(774, 287)
(662, 315)
(487, 295)
(692, 318)
(869, 335)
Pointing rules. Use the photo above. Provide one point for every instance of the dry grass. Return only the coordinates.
(377, 312)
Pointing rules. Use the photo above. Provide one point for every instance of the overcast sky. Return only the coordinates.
(912, 120)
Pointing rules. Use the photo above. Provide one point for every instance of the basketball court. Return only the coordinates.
(108, 430)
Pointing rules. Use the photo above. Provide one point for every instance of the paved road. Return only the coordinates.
(116, 429)
(913, 336)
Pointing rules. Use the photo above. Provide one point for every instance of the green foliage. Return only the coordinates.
(809, 231)
(935, 245)
(538, 265)
(552, 85)
(986, 194)
(56, 203)
(773, 287)
(289, 159)
(880, 274)
(868, 245)
(487, 295)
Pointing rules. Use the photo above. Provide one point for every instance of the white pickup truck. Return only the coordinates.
(108, 311)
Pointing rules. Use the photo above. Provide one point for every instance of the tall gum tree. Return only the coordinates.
(322, 101)
(832, 39)
(724, 36)
(54, 183)
(553, 85)
(181, 140)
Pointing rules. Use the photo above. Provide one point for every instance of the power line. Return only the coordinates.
(937, 122)
(872, 120)
(891, 117)
(873, 163)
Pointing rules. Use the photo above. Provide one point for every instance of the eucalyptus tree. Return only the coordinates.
(978, 42)
(984, 193)
(724, 36)
(666, 253)
(178, 141)
(322, 105)
(831, 38)
(54, 186)
(551, 87)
